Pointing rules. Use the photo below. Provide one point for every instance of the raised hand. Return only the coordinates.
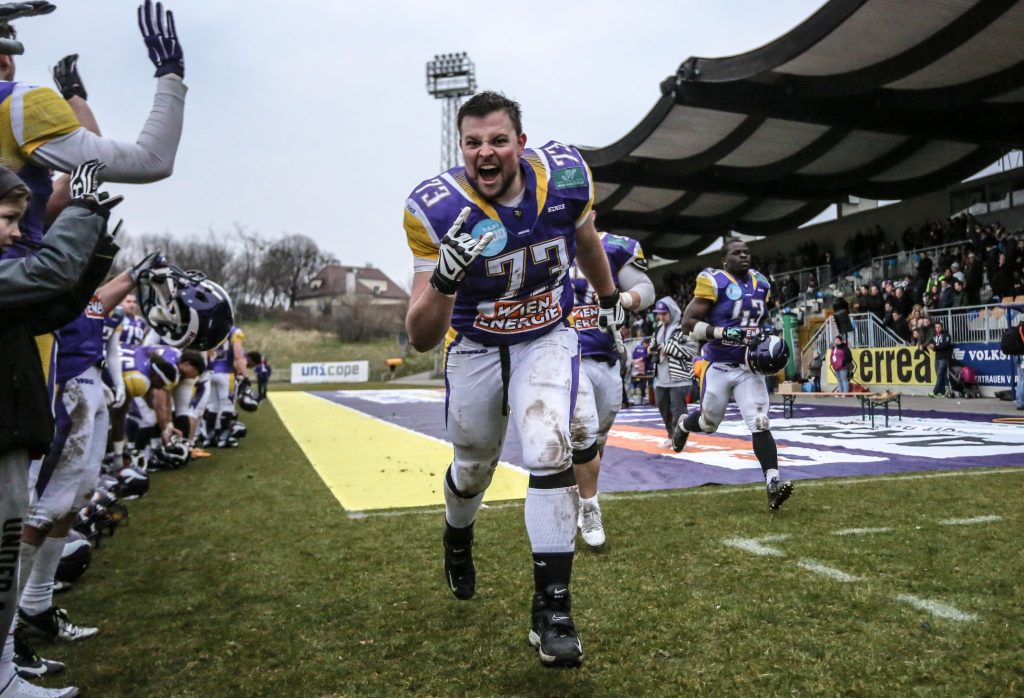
(85, 186)
(65, 74)
(161, 38)
(457, 250)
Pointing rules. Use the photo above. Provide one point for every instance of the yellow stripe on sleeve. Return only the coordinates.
(541, 174)
(706, 287)
(418, 237)
(44, 116)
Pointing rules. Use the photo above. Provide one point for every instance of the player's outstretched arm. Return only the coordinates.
(151, 157)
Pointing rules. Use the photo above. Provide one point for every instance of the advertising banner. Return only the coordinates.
(991, 366)
(331, 372)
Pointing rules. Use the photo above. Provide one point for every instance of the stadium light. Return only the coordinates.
(450, 77)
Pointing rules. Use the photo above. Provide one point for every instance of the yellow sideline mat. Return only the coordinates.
(368, 463)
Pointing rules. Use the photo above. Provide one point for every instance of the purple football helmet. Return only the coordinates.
(185, 308)
(767, 355)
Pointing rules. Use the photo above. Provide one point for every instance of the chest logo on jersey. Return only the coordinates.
(585, 317)
(95, 308)
(733, 292)
(569, 178)
(525, 315)
(497, 243)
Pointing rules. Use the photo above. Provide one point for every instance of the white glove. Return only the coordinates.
(114, 396)
(456, 252)
(611, 317)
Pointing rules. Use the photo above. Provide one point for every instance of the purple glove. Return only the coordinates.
(161, 38)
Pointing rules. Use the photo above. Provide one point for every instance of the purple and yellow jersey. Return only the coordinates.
(224, 355)
(135, 367)
(594, 342)
(518, 289)
(737, 303)
(31, 117)
(133, 331)
(80, 342)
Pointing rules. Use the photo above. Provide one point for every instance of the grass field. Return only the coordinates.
(241, 576)
(287, 346)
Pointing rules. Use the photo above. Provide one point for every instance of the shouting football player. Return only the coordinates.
(493, 242)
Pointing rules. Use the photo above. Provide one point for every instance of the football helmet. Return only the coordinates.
(247, 399)
(170, 456)
(131, 483)
(185, 308)
(767, 354)
(238, 430)
(75, 559)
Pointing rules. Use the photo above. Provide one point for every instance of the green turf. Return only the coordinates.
(240, 575)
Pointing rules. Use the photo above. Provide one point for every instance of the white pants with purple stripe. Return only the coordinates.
(722, 381)
(597, 403)
(65, 479)
(542, 381)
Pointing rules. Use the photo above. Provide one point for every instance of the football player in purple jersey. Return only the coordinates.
(600, 385)
(728, 310)
(492, 243)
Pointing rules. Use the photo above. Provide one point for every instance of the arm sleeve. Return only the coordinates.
(55, 269)
(149, 159)
(632, 279)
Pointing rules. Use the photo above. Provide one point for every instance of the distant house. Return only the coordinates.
(338, 285)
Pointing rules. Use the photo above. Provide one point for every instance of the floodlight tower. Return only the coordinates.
(450, 77)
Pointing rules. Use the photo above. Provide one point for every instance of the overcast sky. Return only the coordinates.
(312, 116)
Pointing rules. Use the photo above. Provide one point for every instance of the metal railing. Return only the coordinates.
(803, 276)
(892, 265)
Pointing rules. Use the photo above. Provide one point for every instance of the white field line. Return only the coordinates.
(935, 608)
(826, 571)
(724, 489)
(974, 520)
(755, 547)
(861, 531)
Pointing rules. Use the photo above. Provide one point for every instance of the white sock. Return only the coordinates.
(550, 529)
(588, 500)
(26, 560)
(38, 593)
(460, 512)
(770, 474)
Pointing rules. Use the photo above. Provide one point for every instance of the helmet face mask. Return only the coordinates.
(768, 355)
(185, 308)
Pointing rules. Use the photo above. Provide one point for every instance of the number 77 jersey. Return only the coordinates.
(519, 288)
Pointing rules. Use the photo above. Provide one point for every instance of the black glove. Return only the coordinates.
(31, 8)
(65, 74)
(85, 184)
(161, 38)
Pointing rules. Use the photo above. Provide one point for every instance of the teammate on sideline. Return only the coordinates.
(133, 326)
(600, 384)
(728, 309)
(229, 365)
(50, 137)
(496, 287)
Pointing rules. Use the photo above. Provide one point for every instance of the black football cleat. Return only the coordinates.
(459, 571)
(553, 632)
(778, 492)
(679, 436)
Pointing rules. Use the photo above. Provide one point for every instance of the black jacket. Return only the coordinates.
(40, 294)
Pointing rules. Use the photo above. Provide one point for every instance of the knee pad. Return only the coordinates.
(475, 477)
(761, 422)
(560, 480)
(584, 455)
(706, 426)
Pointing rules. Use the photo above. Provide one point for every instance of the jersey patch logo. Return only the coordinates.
(497, 243)
(512, 317)
(569, 178)
(586, 317)
(733, 292)
(95, 308)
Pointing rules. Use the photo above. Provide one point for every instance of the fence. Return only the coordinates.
(974, 324)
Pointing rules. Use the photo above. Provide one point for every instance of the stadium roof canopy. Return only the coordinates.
(881, 99)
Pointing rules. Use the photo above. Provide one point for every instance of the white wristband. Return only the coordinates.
(702, 331)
